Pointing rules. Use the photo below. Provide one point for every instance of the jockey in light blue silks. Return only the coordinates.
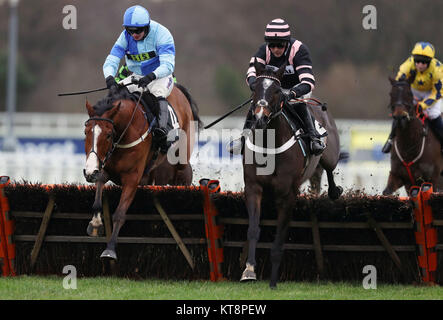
(149, 51)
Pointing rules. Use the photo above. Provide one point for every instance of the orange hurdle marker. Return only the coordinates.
(425, 233)
(214, 233)
(7, 247)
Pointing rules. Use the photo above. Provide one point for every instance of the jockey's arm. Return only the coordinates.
(303, 67)
(405, 69)
(110, 67)
(165, 49)
(436, 91)
(260, 56)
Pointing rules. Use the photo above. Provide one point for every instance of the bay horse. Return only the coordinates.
(416, 153)
(292, 164)
(119, 148)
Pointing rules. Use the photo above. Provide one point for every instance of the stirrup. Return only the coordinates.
(387, 147)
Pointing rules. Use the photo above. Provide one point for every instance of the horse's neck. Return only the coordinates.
(127, 116)
(409, 139)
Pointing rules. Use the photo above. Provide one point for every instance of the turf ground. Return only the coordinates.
(51, 288)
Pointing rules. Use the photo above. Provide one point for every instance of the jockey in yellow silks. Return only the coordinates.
(426, 75)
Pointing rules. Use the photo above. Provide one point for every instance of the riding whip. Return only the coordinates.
(227, 114)
(94, 90)
(81, 92)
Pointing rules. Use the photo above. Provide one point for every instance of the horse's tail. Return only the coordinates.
(194, 106)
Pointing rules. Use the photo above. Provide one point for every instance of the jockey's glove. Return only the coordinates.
(110, 82)
(295, 92)
(143, 82)
(292, 95)
(422, 106)
(251, 83)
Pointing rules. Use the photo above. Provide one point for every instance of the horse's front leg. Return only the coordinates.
(118, 218)
(334, 191)
(283, 219)
(253, 195)
(95, 226)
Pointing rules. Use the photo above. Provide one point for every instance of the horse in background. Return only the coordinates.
(119, 148)
(292, 164)
(416, 153)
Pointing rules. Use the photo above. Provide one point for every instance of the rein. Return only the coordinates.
(410, 163)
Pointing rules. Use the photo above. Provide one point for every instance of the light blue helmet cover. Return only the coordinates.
(136, 16)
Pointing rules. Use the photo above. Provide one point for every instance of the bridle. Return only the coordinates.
(288, 144)
(273, 114)
(400, 102)
(409, 106)
(101, 163)
(116, 143)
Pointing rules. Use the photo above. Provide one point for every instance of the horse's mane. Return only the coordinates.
(106, 103)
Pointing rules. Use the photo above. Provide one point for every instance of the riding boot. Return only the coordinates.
(236, 146)
(388, 145)
(161, 131)
(316, 145)
(437, 128)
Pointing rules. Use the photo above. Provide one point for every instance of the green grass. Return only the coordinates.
(48, 288)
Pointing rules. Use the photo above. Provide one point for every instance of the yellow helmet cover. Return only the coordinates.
(424, 49)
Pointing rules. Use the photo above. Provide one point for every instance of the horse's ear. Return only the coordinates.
(279, 73)
(259, 67)
(90, 109)
(392, 80)
(114, 110)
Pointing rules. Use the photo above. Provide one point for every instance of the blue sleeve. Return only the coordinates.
(112, 61)
(166, 51)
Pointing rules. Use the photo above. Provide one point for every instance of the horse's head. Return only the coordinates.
(267, 99)
(99, 139)
(402, 105)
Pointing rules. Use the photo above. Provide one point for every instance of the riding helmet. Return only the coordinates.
(277, 31)
(424, 49)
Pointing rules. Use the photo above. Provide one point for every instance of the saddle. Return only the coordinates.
(297, 124)
(151, 109)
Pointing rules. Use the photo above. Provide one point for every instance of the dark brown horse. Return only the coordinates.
(119, 148)
(416, 154)
(289, 162)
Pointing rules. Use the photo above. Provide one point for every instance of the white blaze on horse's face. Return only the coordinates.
(262, 103)
(92, 163)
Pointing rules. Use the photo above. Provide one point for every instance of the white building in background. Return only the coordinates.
(51, 150)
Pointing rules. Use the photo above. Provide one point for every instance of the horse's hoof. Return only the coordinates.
(94, 231)
(109, 254)
(335, 193)
(273, 285)
(248, 276)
